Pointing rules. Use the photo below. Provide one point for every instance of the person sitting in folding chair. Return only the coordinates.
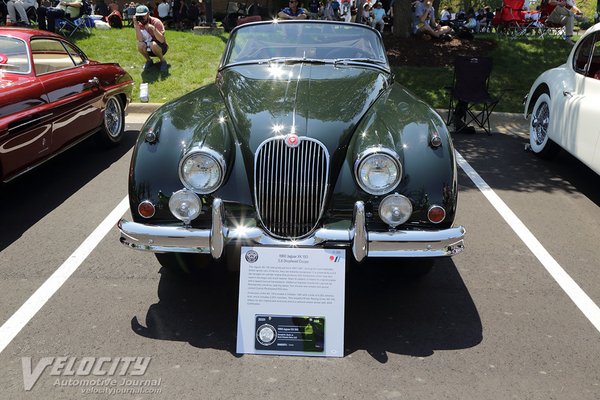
(20, 6)
(426, 24)
(150, 35)
(564, 13)
(69, 9)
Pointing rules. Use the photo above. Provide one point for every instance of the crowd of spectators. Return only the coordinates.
(185, 14)
(174, 14)
(376, 13)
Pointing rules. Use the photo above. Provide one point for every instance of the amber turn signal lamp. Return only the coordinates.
(146, 209)
(436, 214)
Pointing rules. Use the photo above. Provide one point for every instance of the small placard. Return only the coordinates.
(291, 301)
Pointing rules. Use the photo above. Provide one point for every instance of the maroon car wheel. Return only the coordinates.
(113, 125)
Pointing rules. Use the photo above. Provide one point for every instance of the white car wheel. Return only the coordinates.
(539, 123)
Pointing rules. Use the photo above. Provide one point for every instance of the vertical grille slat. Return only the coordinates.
(290, 185)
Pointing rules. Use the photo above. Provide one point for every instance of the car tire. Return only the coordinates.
(113, 123)
(541, 145)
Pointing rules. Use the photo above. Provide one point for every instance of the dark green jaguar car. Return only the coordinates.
(304, 140)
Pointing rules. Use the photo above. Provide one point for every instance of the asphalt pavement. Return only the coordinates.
(497, 321)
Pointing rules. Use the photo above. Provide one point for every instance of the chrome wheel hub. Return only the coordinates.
(539, 123)
(112, 117)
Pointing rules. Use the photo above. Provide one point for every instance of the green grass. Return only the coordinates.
(194, 60)
(517, 63)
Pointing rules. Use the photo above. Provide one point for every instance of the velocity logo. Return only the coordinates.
(334, 258)
(101, 367)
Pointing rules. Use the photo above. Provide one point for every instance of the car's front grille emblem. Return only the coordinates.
(290, 185)
(292, 140)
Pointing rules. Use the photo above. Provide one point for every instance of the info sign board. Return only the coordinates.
(291, 301)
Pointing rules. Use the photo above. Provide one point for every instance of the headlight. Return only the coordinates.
(185, 205)
(202, 170)
(378, 171)
(395, 210)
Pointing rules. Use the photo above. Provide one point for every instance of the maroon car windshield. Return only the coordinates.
(14, 57)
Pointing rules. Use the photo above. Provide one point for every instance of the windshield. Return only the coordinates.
(13, 55)
(311, 40)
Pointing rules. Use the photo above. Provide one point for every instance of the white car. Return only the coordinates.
(564, 105)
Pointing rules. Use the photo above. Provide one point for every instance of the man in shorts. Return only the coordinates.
(150, 35)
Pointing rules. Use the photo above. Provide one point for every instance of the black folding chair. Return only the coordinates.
(470, 100)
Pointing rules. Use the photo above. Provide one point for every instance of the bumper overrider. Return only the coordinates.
(394, 243)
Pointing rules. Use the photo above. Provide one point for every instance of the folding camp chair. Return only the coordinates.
(469, 92)
(549, 29)
(68, 28)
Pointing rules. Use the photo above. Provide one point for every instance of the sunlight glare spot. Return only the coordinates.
(275, 71)
(277, 128)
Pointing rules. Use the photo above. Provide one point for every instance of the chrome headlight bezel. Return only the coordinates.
(367, 155)
(211, 154)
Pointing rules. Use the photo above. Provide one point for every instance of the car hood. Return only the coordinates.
(324, 102)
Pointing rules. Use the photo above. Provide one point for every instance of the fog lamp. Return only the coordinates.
(395, 210)
(185, 205)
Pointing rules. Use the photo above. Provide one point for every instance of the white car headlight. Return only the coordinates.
(378, 171)
(202, 170)
(395, 210)
(185, 205)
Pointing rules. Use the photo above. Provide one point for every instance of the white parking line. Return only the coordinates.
(571, 288)
(27, 311)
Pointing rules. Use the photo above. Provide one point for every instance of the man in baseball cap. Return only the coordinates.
(150, 35)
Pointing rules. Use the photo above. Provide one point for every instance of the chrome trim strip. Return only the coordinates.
(440, 243)
(217, 233)
(29, 122)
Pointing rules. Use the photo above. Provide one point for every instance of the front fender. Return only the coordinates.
(555, 81)
(401, 122)
(195, 120)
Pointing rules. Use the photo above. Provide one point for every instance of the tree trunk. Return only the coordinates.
(436, 7)
(402, 18)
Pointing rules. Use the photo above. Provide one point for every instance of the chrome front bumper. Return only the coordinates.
(180, 239)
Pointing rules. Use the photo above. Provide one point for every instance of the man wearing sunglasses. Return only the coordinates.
(293, 11)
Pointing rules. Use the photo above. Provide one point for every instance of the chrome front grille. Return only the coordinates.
(290, 184)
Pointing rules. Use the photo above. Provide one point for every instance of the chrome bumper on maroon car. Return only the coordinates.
(161, 239)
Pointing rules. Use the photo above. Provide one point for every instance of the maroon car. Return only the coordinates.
(52, 97)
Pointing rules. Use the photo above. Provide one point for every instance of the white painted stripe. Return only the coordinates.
(571, 288)
(23, 315)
